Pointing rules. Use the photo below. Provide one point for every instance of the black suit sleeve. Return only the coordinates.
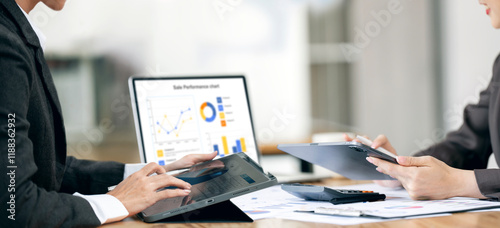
(470, 147)
(32, 206)
(91, 177)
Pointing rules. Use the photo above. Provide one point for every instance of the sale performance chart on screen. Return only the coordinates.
(181, 116)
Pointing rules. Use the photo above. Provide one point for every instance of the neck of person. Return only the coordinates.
(27, 5)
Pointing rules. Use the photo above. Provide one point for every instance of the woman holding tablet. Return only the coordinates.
(457, 165)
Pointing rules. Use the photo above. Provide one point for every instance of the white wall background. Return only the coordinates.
(393, 79)
(266, 41)
(393, 87)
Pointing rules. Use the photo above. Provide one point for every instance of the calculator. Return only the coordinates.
(334, 196)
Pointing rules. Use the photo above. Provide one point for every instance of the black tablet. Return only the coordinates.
(212, 182)
(345, 158)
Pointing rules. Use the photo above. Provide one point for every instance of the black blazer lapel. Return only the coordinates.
(47, 80)
(29, 36)
(31, 39)
(22, 24)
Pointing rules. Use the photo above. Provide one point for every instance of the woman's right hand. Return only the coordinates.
(381, 141)
(139, 191)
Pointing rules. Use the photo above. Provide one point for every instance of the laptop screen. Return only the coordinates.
(177, 116)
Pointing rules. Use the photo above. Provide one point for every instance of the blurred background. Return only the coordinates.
(401, 68)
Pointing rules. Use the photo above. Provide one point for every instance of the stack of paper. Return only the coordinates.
(276, 203)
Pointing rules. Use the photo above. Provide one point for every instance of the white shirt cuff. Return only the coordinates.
(132, 168)
(105, 206)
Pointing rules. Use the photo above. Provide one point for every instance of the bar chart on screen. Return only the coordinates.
(226, 143)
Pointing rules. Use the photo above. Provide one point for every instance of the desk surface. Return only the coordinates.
(470, 219)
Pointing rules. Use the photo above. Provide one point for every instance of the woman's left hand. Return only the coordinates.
(189, 160)
(427, 178)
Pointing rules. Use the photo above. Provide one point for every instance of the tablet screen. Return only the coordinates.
(216, 180)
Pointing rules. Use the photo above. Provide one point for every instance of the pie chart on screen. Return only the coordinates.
(210, 106)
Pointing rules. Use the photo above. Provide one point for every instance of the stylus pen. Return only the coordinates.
(177, 171)
(334, 211)
(370, 142)
(371, 198)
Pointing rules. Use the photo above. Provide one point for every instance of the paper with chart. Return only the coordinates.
(276, 203)
(399, 204)
(406, 208)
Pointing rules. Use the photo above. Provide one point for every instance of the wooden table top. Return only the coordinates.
(468, 219)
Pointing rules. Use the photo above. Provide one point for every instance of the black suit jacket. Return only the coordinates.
(33, 146)
(472, 144)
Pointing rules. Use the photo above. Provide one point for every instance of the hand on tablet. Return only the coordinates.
(189, 160)
(139, 191)
(427, 178)
(381, 141)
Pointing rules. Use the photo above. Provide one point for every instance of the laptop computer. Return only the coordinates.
(177, 116)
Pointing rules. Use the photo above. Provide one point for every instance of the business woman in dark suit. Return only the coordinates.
(456, 166)
(38, 180)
